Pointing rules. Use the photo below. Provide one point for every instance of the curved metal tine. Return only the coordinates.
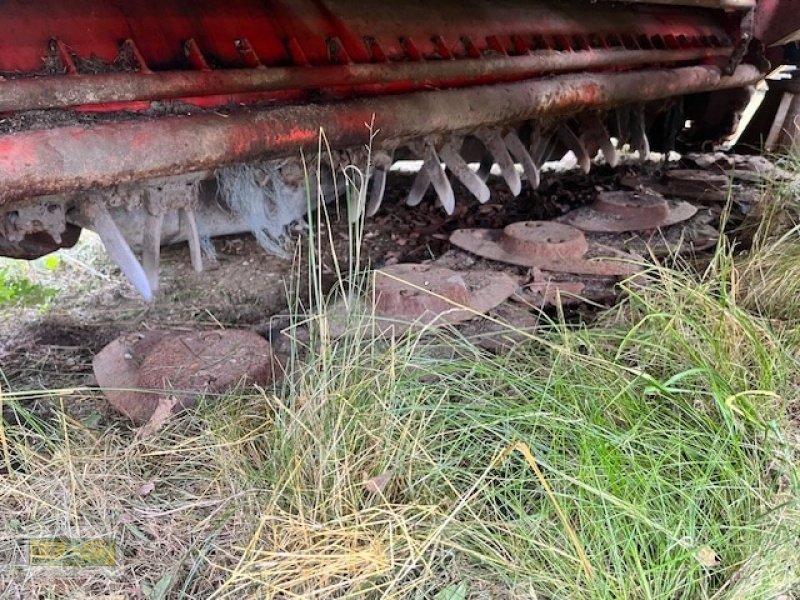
(440, 181)
(573, 142)
(419, 187)
(485, 166)
(596, 132)
(461, 171)
(151, 251)
(376, 192)
(494, 144)
(638, 133)
(518, 150)
(118, 249)
(382, 162)
(193, 236)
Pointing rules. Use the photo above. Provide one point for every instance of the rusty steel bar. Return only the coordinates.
(110, 88)
(65, 159)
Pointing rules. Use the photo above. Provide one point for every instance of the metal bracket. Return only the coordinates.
(45, 215)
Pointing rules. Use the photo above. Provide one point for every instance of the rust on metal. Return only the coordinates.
(69, 159)
(427, 295)
(113, 88)
(621, 211)
(137, 370)
(546, 245)
(691, 184)
(116, 369)
(41, 243)
(551, 292)
(697, 185)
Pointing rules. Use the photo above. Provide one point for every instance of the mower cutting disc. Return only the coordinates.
(619, 212)
(546, 245)
(116, 369)
(415, 294)
(137, 370)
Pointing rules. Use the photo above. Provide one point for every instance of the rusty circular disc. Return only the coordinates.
(633, 205)
(550, 246)
(697, 184)
(116, 369)
(544, 240)
(702, 179)
(188, 365)
(552, 293)
(679, 211)
(620, 212)
(427, 294)
(692, 184)
(409, 290)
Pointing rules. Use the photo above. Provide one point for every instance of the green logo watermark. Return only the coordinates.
(69, 552)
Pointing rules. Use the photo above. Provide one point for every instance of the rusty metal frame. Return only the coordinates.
(98, 56)
(113, 88)
(70, 159)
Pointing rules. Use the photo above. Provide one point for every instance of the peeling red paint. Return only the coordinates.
(263, 77)
(67, 159)
(297, 52)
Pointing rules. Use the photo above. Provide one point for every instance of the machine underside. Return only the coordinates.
(189, 120)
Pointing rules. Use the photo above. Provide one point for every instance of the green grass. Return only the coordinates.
(659, 434)
(769, 278)
(649, 455)
(646, 456)
(41, 283)
(18, 289)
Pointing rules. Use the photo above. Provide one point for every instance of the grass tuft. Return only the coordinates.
(649, 455)
(645, 457)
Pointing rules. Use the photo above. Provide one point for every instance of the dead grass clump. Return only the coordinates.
(649, 456)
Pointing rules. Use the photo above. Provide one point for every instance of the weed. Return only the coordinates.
(17, 289)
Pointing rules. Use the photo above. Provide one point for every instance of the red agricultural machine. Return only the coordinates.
(182, 120)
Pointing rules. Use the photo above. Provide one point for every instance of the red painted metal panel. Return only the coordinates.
(174, 36)
(108, 56)
(777, 21)
(97, 27)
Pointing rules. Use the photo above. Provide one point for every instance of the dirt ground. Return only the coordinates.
(248, 288)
